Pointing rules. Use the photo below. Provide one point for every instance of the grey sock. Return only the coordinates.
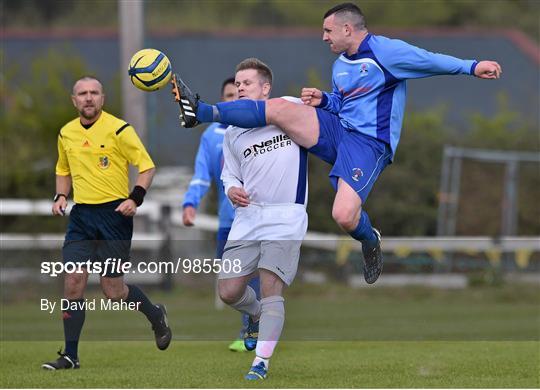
(270, 325)
(248, 303)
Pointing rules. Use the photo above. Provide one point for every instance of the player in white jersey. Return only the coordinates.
(265, 177)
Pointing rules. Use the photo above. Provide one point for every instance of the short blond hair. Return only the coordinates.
(254, 63)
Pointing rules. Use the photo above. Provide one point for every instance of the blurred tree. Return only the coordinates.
(29, 14)
(404, 199)
(482, 184)
(34, 108)
(213, 15)
(42, 11)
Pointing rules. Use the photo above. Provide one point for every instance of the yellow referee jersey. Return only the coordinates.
(97, 158)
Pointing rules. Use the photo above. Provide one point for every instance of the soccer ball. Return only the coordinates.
(149, 69)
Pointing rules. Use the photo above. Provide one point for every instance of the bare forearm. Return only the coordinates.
(63, 184)
(144, 179)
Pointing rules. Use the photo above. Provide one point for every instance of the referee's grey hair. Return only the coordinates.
(348, 12)
(254, 63)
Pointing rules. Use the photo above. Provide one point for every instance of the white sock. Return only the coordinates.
(248, 303)
(258, 359)
(270, 325)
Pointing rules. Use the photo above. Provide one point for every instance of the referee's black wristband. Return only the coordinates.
(137, 195)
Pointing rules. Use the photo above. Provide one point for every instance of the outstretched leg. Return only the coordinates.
(297, 120)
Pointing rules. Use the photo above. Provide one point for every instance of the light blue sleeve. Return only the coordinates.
(332, 102)
(201, 180)
(405, 61)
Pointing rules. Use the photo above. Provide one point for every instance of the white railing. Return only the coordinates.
(153, 211)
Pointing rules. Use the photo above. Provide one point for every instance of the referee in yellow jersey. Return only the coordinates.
(94, 152)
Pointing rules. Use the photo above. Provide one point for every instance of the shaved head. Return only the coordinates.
(86, 78)
(348, 13)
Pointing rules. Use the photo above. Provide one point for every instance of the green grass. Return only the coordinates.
(326, 312)
(312, 364)
(334, 337)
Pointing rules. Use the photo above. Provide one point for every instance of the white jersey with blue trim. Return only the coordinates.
(270, 167)
(208, 165)
(369, 87)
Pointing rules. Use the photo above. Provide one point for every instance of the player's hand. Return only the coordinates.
(188, 215)
(127, 208)
(238, 196)
(311, 96)
(488, 70)
(59, 207)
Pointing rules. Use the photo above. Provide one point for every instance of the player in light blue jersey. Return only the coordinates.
(357, 126)
(208, 166)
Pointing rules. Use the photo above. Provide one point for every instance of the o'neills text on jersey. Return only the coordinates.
(276, 142)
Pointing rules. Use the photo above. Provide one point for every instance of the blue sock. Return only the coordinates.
(73, 323)
(364, 230)
(205, 113)
(241, 113)
(151, 311)
(245, 321)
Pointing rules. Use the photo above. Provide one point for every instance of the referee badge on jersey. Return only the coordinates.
(357, 174)
(104, 162)
(364, 67)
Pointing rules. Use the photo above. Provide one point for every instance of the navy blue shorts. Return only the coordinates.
(356, 158)
(96, 233)
(221, 238)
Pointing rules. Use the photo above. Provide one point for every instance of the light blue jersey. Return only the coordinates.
(208, 166)
(369, 87)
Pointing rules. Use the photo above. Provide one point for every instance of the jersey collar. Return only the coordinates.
(361, 49)
(88, 127)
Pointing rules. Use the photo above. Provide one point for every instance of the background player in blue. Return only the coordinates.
(208, 166)
(357, 126)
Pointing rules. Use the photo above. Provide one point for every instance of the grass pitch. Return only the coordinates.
(334, 337)
(312, 364)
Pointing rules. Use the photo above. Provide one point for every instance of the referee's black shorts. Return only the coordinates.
(96, 232)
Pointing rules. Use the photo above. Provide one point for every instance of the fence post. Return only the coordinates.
(165, 250)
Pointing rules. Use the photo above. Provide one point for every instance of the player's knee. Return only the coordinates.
(345, 218)
(114, 293)
(229, 295)
(74, 285)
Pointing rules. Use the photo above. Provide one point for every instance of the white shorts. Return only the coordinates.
(266, 236)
